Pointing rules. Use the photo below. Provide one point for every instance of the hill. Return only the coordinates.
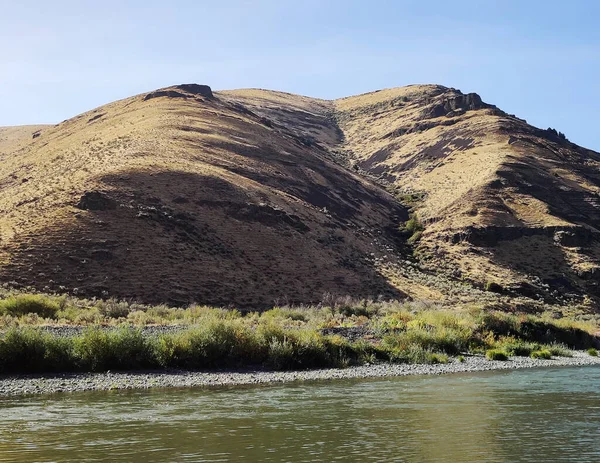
(180, 195)
(253, 197)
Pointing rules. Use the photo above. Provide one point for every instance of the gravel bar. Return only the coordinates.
(47, 384)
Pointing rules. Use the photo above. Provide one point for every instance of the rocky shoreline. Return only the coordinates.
(49, 384)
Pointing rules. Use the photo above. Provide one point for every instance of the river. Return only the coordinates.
(536, 415)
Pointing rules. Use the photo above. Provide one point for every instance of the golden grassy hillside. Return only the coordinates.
(503, 202)
(252, 197)
(14, 138)
(181, 195)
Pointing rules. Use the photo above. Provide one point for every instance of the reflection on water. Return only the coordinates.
(541, 415)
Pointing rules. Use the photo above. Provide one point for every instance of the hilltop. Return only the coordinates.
(254, 197)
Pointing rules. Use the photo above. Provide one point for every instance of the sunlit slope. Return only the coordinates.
(503, 202)
(253, 197)
(181, 195)
(14, 138)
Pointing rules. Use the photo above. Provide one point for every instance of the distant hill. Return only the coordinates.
(254, 197)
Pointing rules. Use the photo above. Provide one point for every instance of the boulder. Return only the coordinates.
(572, 239)
(96, 201)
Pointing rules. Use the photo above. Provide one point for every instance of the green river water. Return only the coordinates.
(541, 415)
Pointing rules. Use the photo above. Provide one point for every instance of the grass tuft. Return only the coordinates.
(24, 304)
(495, 354)
(541, 354)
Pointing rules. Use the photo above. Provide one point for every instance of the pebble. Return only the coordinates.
(47, 384)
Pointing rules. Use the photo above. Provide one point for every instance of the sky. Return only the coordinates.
(539, 60)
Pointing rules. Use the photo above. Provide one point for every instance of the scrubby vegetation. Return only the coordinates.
(496, 354)
(24, 304)
(413, 229)
(542, 354)
(337, 332)
(219, 343)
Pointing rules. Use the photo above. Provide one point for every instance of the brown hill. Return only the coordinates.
(180, 195)
(504, 202)
(251, 197)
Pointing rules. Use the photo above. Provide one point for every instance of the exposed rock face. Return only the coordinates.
(182, 91)
(96, 201)
(196, 89)
(455, 104)
(503, 201)
(167, 93)
(493, 235)
(578, 237)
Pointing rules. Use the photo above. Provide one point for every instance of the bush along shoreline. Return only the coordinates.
(335, 335)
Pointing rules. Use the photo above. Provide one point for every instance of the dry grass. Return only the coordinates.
(255, 197)
(338, 332)
(234, 209)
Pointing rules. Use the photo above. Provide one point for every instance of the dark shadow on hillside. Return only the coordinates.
(539, 251)
(178, 237)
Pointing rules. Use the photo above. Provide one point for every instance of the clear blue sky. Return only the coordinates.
(538, 59)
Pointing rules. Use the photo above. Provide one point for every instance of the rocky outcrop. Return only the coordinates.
(454, 104)
(491, 236)
(96, 201)
(573, 238)
(196, 89)
(182, 91)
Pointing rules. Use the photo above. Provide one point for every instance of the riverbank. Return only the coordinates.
(61, 383)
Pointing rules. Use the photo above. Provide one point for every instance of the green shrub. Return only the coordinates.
(131, 350)
(29, 350)
(520, 348)
(280, 338)
(460, 358)
(24, 304)
(499, 323)
(495, 354)
(548, 332)
(93, 350)
(168, 351)
(280, 312)
(412, 228)
(59, 355)
(122, 349)
(217, 343)
(341, 353)
(22, 351)
(437, 358)
(413, 225)
(541, 354)
(560, 350)
(353, 310)
(593, 352)
(446, 340)
(300, 350)
(415, 237)
(415, 354)
(113, 308)
(281, 354)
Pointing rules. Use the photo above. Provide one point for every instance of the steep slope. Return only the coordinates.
(14, 138)
(249, 197)
(503, 202)
(180, 195)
